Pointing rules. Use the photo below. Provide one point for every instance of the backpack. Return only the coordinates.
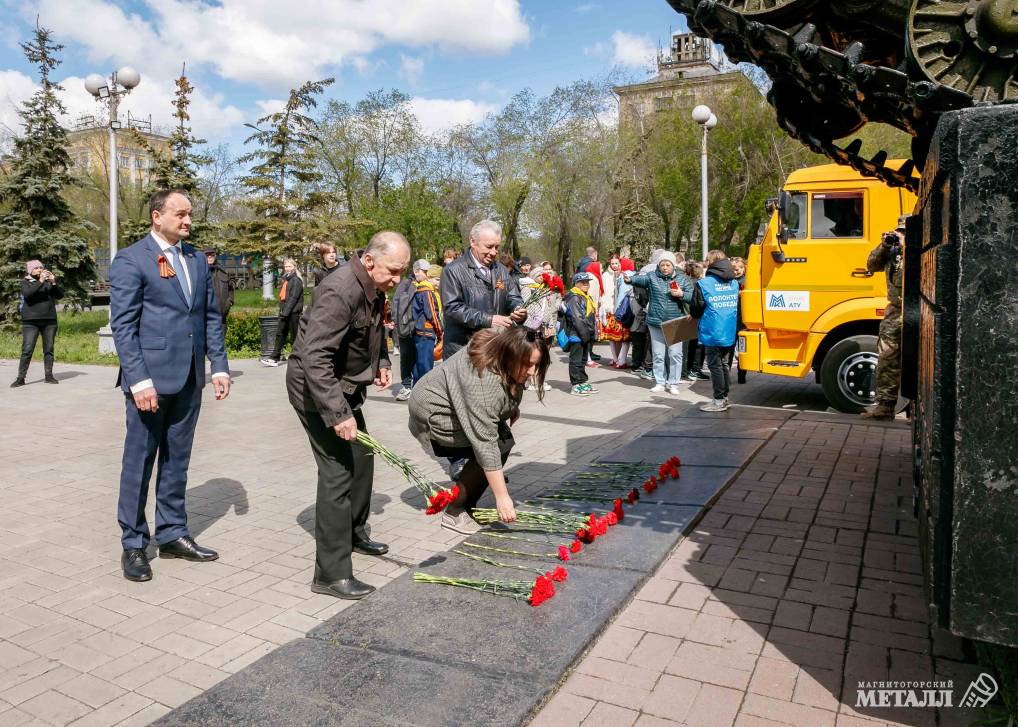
(624, 313)
(404, 318)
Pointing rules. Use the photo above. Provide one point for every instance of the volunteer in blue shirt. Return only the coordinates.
(716, 304)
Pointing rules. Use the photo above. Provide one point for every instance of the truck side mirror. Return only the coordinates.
(778, 256)
(782, 207)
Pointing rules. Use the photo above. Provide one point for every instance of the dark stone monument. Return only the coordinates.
(962, 277)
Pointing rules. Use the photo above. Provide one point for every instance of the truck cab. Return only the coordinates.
(809, 304)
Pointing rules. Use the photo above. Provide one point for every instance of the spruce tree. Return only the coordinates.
(36, 222)
(177, 167)
(284, 183)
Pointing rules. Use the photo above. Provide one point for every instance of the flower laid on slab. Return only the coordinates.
(534, 592)
(438, 498)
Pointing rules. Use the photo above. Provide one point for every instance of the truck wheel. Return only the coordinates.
(848, 374)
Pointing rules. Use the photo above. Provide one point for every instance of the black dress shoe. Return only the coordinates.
(51, 380)
(370, 547)
(17, 382)
(135, 565)
(187, 549)
(349, 588)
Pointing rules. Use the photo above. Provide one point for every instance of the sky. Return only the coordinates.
(458, 59)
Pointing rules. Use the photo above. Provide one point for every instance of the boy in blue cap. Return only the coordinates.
(580, 325)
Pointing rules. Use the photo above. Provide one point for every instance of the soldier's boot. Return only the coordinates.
(883, 410)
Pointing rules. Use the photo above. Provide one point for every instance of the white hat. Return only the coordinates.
(422, 265)
(667, 255)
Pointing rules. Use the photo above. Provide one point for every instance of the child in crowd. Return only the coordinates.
(581, 328)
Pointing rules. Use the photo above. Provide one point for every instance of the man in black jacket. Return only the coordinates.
(478, 291)
(221, 284)
(339, 351)
(291, 305)
(39, 293)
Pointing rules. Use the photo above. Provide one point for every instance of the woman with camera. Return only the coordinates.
(39, 294)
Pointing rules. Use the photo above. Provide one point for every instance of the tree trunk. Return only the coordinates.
(513, 225)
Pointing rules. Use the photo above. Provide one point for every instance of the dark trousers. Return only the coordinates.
(30, 331)
(288, 326)
(471, 478)
(578, 353)
(719, 373)
(345, 474)
(693, 354)
(639, 339)
(424, 356)
(168, 432)
(407, 359)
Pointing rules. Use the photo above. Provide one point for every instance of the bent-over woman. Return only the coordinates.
(463, 409)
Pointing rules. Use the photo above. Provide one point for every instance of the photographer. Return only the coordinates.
(39, 291)
(887, 258)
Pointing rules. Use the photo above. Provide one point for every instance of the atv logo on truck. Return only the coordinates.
(791, 300)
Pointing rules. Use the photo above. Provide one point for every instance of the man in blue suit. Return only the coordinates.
(165, 320)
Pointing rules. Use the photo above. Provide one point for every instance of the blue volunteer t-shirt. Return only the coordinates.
(718, 324)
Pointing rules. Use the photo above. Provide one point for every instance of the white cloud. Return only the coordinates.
(442, 114)
(15, 88)
(210, 117)
(586, 7)
(598, 50)
(270, 105)
(411, 68)
(277, 44)
(633, 51)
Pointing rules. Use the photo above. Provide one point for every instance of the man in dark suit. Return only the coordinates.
(340, 350)
(478, 291)
(165, 321)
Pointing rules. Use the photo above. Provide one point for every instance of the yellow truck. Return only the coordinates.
(809, 304)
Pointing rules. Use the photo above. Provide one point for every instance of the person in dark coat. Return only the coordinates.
(477, 291)
(330, 262)
(581, 328)
(340, 350)
(221, 284)
(291, 305)
(39, 294)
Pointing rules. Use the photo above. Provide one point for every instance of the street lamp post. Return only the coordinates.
(109, 92)
(707, 121)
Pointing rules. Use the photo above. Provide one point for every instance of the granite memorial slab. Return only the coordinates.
(738, 412)
(310, 682)
(698, 451)
(731, 429)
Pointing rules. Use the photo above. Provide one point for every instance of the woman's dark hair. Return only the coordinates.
(507, 352)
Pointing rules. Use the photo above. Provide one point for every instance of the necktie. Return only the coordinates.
(179, 270)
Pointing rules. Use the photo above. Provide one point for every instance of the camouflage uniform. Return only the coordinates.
(889, 338)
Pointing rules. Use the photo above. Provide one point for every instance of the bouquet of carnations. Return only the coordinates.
(438, 498)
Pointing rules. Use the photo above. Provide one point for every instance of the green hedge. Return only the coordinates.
(243, 334)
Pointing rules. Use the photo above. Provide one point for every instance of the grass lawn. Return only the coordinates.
(77, 340)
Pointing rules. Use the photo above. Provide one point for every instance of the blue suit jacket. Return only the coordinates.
(157, 335)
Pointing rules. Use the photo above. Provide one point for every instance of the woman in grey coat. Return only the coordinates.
(462, 410)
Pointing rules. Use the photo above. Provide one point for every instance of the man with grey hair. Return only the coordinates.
(477, 291)
(340, 349)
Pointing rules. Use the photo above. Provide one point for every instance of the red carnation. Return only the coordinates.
(563, 553)
(575, 547)
(674, 472)
(601, 527)
(618, 512)
(543, 590)
(676, 461)
(585, 535)
(559, 574)
(613, 519)
(633, 497)
(441, 500)
(649, 487)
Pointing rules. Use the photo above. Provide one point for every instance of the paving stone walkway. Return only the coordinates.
(801, 581)
(80, 645)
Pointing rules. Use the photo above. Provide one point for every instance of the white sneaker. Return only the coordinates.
(658, 388)
(715, 405)
(547, 386)
(461, 522)
(673, 390)
(269, 362)
(403, 394)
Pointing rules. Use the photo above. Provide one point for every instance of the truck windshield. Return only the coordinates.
(796, 216)
(837, 214)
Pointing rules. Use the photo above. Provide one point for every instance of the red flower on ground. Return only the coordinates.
(601, 527)
(618, 512)
(649, 486)
(675, 461)
(442, 499)
(633, 497)
(575, 547)
(543, 590)
(613, 519)
(563, 553)
(559, 574)
(586, 535)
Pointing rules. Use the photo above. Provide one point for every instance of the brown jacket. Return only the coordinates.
(340, 346)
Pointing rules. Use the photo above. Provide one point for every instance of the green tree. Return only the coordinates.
(414, 209)
(284, 186)
(176, 168)
(37, 222)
